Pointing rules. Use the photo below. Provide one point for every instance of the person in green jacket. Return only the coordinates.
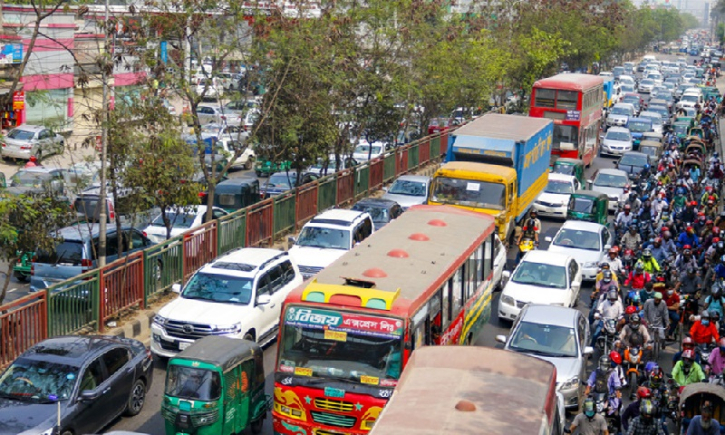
(687, 371)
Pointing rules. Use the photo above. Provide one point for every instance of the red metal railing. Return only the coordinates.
(199, 248)
(121, 285)
(424, 152)
(260, 224)
(23, 323)
(377, 167)
(345, 187)
(401, 162)
(306, 203)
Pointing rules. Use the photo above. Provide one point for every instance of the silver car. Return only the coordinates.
(558, 335)
(31, 140)
(409, 190)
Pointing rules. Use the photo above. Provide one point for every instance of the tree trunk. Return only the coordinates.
(8, 277)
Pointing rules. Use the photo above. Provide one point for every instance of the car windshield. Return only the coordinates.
(192, 383)
(179, 219)
(578, 239)
(212, 129)
(408, 187)
(66, 253)
(540, 275)
(610, 180)
(654, 117)
(20, 134)
(633, 100)
(626, 87)
(559, 186)
(633, 160)
(544, 340)
(472, 193)
(618, 135)
(661, 110)
(638, 126)
(379, 213)
(219, 288)
(38, 381)
(323, 237)
(30, 179)
(690, 98)
(648, 81)
(365, 149)
(620, 111)
(282, 181)
(349, 347)
(681, 129)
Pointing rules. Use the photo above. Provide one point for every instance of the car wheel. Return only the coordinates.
(66, 432)
(137, 398)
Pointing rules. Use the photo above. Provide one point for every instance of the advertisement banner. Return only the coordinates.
(344, 323)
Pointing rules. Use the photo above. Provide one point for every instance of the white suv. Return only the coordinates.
(327, 237)
(238, 295)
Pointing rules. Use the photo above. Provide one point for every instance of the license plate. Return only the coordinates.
(334, 392)
(183, 345)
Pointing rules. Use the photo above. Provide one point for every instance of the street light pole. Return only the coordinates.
(102, 201)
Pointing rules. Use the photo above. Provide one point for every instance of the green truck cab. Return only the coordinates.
(215, 387)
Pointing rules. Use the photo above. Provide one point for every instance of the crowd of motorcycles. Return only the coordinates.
(662, 285)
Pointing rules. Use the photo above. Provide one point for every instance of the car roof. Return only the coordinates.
(380, 202)
(635, 153)
(30, 127)
(591, 227)
(243, 261)
(627, 105)
(612, 171)
(561, 177)
(419, 178)
(550, 315)
(72, 349)
(546, 257)
(338, 216)
(618, 129)
(40, 170)
(85, 231)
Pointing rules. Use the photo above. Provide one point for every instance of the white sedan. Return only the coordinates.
(554, 200)
(541, 277)
(182, 219)
(588, 242)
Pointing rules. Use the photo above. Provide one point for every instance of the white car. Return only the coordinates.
(646, 86)
(657, 121)
(542, 277)
(408, 190)
(587, 242)
(238, 295)
(690, 98)
(554, 200)
(228, 140)
(616, 141)
(214, 114)
(620, 114)
(610, 182)
(182, 219)
(209, 88)
(499, 262)
(327, 237)
(365, 151)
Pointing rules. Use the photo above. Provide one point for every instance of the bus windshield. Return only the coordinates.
(471, 193)
(341, 345)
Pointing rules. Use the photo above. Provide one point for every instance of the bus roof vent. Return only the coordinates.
(437, 223)
(370, 273)
(366, 295)
(398, 253)
(419, 237)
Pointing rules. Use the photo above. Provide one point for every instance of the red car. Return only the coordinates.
(438, 125)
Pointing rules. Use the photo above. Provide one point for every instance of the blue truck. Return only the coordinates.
(496, 164)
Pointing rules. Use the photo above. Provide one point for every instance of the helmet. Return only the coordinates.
(687, 247)
(693, 203)
(615, 357)
(33, 159)
(647, 253)
(644, 393)
(715, 239)
(639, 266)
(630, 310)
(688, 343)
(658, 241)
(705, 314)
(646, 408)
(632, 228)
(588, 407)
(612, 295)
(604, 362)
(533, 213)
(634, 320)
(627, 207)
(688, 354)
(614, 249)
(607, 276)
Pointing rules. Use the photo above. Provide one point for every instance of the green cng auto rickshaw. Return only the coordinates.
(588, 205)
(215, 387)
(569, 166)
(236, 193)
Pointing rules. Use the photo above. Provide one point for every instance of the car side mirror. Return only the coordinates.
(291, 240)
(88, 395)
(176, 288)
(548, 239)
(589, 181)
(588, 350)
(505, 275)
(616, 164)
(264, 299)
(607, 247)
(576, 285)
(501, 339)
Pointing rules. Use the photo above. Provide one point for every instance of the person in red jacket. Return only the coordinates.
(704, 331)
(637, 278)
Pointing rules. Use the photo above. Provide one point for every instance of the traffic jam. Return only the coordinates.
(579, 251)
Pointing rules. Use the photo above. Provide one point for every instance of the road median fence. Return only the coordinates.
(85, 303)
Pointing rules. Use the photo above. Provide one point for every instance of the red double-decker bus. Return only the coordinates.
(574, 102)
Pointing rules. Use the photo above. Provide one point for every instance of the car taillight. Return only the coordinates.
(25, 147)
(202, 195)
(144, 234)
(86, 262)
(4, 145)
(111, 211)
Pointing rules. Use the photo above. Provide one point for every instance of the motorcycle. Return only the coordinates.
(601, 404)
(633, 363)
(527, 244)
(704, 350)
(608, 336)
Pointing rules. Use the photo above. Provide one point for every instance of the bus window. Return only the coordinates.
(567, 100)
(445, 294)
(458, 287)
(455, 297)
(487, 257)
(434, 320)
(544, 98)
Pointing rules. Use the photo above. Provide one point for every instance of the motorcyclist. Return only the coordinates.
(637, 278)
(624, 218)
(668, 242)
(688, 237)
(611, 308)
(646, 423)
(687, 343)
(530, 231)
(685, 259)
(615, 263)
(715, 301)
(632, 239)
(703, 331)
(690, 283)
(648, 263)
(720, 221)
(655, 314)
(687, 371)
(648, 292)
(632, 410)
(672, 300)
(589, 422)
(717, 358)
(605, 380)
(607, 283)
(659, 253)
(634, 334)
(689, 214)
(633, 202)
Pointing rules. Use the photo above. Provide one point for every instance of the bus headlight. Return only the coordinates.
(287, 411)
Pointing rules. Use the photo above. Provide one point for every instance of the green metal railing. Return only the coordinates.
(284, 213)
(163, 267)
(73, 305)
(232, 232)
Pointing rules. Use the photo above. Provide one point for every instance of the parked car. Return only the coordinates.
(541, 277)
(587, 242)
(38, 179)
(211, 113)
(226, 140)
(77, 252)
(27, 140)
(132, 209)
(439, 125)
(365, 151)
(328, 166)
(554, 200)
(327, 236)
(94, 379)
(616, 141)
(236, 193)
(182, 220)
(646, 86)
(382, 211)
(281, 182)
(559, 335)
(237, 295)
(409, 190)
(610, 182)
(210, 88)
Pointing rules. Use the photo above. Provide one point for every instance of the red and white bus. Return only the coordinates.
(574, 102)
(345, 336)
